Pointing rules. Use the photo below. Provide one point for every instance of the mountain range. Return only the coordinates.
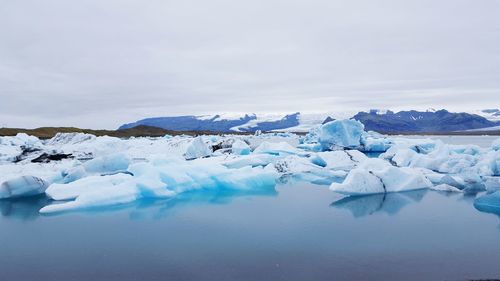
(385, 121)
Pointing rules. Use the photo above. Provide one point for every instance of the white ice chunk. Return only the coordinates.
(108, 195)
(27, 139)
(197, 149)
(375, 142)
(22, 186)
(8, 153)
(390, 179)
(276, 148)
(358, 182)
(252, 160)
(88, 184)
(240, 147)
(492, 184)
(70, 138)
(339, 160)
(496, 144)
(303, 169)
(107, 164)
(446, 188)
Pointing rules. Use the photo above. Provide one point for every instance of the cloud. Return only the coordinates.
(102, 63)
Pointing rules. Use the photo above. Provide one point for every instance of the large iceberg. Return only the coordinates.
(378, 176)
(162, 178)
(345, 134)
(340, 134)
(58, 191)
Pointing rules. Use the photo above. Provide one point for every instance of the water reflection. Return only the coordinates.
(389, 203)
(23, 208)
(162, 208)
(158, 208)
(359, 206)
(488, 209)
(488, 203)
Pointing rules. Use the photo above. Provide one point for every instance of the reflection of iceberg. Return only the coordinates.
(389, 203)
(196, 198)
(23, 208)
(489, 203)
(158, 208)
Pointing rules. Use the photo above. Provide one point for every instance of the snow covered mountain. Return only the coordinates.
(375, 120)
(491, 114)
(296, 122)
(422, 121)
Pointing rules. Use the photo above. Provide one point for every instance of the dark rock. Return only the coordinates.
(328, 119)
(25, 153)
(46, 158)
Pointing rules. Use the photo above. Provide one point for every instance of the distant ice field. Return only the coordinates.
(482, 141)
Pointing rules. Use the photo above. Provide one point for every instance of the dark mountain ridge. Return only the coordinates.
(422, 121)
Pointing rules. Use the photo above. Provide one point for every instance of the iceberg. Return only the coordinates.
(466, 167)
(159, 179)
(489, 203)
(339, 160)
(359, 182)
(445, 188)
(107, 164)
(496, 145)
(377, 176)
(303, 169)
(340, 134)
(8, 153)
(344, 134)
(252, 160)
(22, 186)
(276, 148)
(240, 147)
(374, 142)
(491, 184)
(27, 140)
(70, 138)
(197, 149)
(58, 191)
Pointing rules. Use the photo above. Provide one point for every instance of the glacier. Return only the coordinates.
(99, 172)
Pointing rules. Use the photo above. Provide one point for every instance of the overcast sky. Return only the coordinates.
(101, 63)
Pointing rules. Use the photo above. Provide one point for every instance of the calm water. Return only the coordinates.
(300, 232)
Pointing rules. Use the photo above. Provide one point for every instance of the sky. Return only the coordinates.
(99, 64)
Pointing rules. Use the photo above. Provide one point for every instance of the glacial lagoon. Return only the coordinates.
(300, 231)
